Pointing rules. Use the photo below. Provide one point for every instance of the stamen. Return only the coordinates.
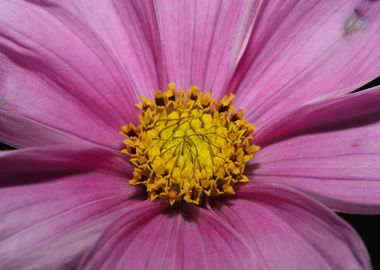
(188, 147)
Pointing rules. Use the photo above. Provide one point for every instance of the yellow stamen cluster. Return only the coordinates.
(187, 146)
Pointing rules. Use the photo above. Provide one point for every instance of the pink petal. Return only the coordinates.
(155, 238)
(335, 158)
(19, 131)
(59, 70)
(55, 208)
(202, 41)
(122, 28)
(301, 50)
(290, 231)
(34, 163)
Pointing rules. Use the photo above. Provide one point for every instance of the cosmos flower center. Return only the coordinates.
(188, 147)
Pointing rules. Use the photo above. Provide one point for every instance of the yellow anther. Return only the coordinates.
(187, 146)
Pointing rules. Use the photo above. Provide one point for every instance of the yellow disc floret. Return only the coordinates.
(187, 146)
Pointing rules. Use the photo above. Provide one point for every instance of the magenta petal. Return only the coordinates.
(20, 131)
(153, 238)
(53, 208)
(336, 156)
(51, 224)
(326, 113)
(288, 230)
(202, 41)
(301, 50)
(58, 71)
(121, 28)
(40, 163)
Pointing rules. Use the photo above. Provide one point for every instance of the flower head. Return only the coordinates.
(188, 147)
(179, 182)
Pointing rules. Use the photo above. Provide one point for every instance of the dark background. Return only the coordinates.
(367, 226)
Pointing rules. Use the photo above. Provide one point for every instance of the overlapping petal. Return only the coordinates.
(290, 231)
(33, 161)
(19, 131)
(70, 73)
(54, 206)
(332, 153)
(262, 229)
(301, 50)
(62, 73)
(123, 29)
(155, 238)
(202, 42)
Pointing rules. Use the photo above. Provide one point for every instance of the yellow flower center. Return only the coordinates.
(188, 147)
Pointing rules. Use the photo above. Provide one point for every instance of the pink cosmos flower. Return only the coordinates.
(70, 74)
